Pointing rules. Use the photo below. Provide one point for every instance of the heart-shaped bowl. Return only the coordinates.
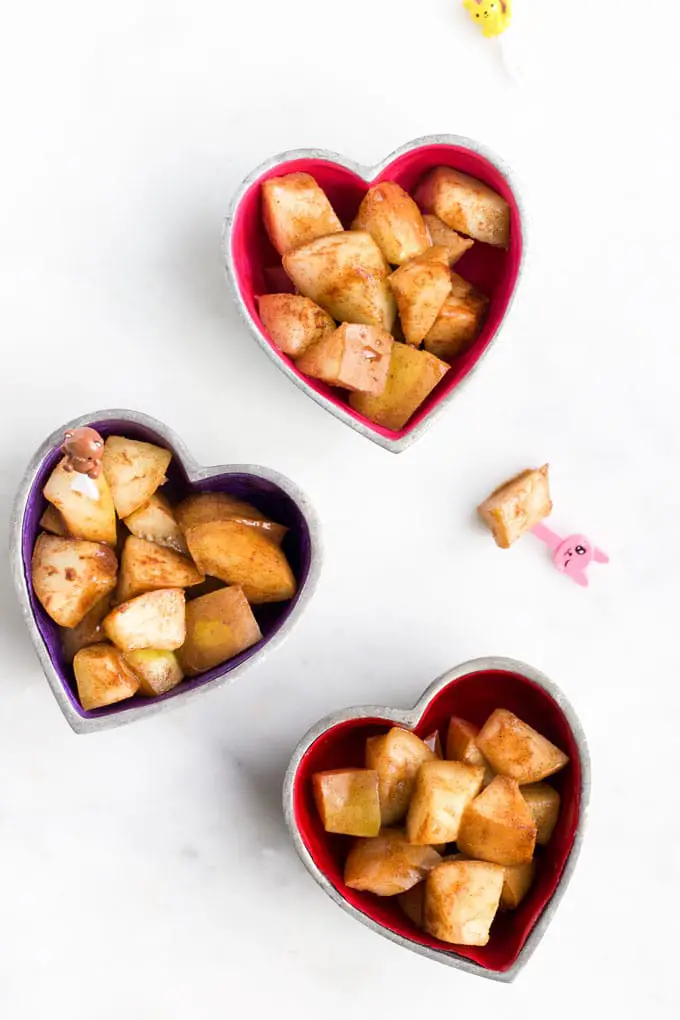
(472, 691)
(270, 491)
(254, 268)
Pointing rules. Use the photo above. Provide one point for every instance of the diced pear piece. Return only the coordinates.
(153, 620)
(347, 275)
(394, 221)
(515, 749)
(238, 554)
(421, 287)
(145, 566)
(466, 204)
(517, 506)
(158, 671)
(441, 235)
(517, 880)
(155, 521)
(206, 507)
(103, 677)
(396, 756)
(412, 377)
(352, 357)
(442, 792)
(91, 519)
(88, 632)
(347, 801)
(458, 321)
(219, 626)
(388, 864)
(134, 470)
(461, 901)
(53, 522)
(461, 745)
(293, 322)
(497, 826)
(296, 210)
(544, 804)
(69, 576)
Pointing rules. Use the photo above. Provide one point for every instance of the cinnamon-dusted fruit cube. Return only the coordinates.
(442, 792)
(396, 756)
(421, 287)
(517, 880)
(461, 901)
(347, 801)
(440, 235)
(513, 748)
(389, 864)
(461, 745)
(353, 357)
(394, 221)
(412, 376)
(459, 320)
(466, 204)
(294, 322)
(544, 804)
(517, 506)
(296, 210)
(498, 826)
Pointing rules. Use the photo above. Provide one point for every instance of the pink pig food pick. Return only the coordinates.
(519, 506)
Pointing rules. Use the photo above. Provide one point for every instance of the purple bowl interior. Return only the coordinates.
(263, 494)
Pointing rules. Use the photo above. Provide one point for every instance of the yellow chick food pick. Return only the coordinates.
(492, 16)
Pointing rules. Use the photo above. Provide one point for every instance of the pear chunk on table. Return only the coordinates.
(346, 274)
(517, 506)
(295, 211)
(394, 221)
(69, 576)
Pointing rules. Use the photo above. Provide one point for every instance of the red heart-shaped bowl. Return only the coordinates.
(473, 691)
(268, 490)
(254, 268)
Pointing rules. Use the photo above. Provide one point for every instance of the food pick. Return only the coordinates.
(519, 506)
(492, 16)
(83, 450)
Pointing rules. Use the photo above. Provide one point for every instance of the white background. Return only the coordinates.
(146, 872)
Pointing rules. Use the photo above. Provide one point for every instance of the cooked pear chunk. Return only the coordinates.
(145, 566)
(347, 275)
(461, 745)
(421, 287)
(497, 825)
(517, 506)
(69, 576)
(206, 507)
(133, 470)
(238, 554)
(88, 632)
(515, 749)
(155, 521)
(412, 376)
(461, 901)
(517, 880)
(219, 625)
(396, 756)
(544, 804)
(294, 322)
(91, 519)
(443, 236)
(153, 620)
(388, 864)
(458, 321)
(352, 357)
(347, 801)
(103, 677)
(466, 204)
(296, 210)
(443, 790)
(158, 671)
(394, 221)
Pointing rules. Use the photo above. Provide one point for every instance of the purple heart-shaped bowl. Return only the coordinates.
(472, 690)
(268, 490)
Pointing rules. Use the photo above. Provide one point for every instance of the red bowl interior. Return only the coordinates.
(259, 271)
(474, 697)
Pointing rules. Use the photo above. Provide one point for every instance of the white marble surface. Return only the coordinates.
(146, 873)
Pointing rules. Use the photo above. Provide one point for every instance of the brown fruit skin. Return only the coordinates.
(544, 804)
(396, 756)
(388, 864)
(347, 801)
(219, 626)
